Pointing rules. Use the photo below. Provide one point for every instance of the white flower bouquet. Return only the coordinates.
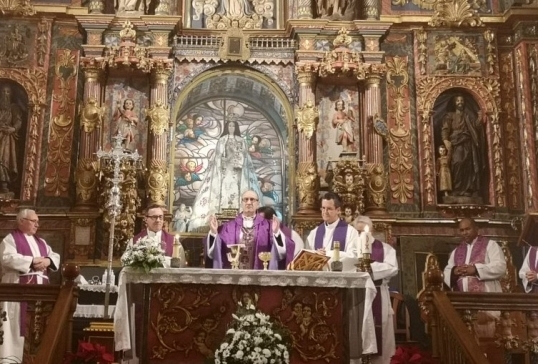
(146, 253)
(254, 339)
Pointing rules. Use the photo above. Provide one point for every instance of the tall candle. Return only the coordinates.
(175, 250)
(366, 245)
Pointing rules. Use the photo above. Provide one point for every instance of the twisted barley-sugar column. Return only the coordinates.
(307, 177)
(377, 184)
(158, 175)
(86, 179)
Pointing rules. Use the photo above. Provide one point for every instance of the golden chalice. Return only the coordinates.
(265, 257)
(234, 253)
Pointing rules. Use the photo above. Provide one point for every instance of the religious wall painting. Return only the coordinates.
(17, 43)
(483, 7)
(462, 170)
(338, 129)
(219, 146)
(13, 127)
(125, 110)
(455, 54)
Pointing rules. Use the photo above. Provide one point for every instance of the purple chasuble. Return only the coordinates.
(340, 234)
(478, 255)
(378, 255)
(229, 233)
(166, 239)
(23, 248)
(532, 266)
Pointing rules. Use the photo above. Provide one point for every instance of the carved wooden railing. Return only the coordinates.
(47, 346)
(515, 323)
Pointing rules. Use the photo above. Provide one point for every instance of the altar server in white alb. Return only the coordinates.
(384, 267)
(25, 259)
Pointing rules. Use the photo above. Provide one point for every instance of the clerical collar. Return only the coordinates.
(152, 234)
(332, 224)
(248, 217)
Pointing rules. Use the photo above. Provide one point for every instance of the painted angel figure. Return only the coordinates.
(342, 121)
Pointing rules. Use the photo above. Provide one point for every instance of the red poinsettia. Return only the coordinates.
(89, 353)
(411, 354)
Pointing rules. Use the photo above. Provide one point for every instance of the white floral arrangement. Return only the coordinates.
(254, 339)
(146, 253)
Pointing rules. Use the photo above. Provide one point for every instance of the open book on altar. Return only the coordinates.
(309, 260)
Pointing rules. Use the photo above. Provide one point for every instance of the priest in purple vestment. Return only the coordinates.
(252, 230)
(25, 259)
(384, 267)
(154, 220)
(333, 229)
(476, 265)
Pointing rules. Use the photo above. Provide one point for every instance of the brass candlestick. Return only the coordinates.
(234, 254)
(265, 257)
(365, 263)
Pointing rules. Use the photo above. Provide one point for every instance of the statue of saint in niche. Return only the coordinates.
(336, 9)
(127, 122)
(11, 117)
(463, 136)
(343, 123)
(234, 9)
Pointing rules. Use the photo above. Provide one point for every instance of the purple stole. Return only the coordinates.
(532, 266)
(166, 239)
(229, 234)
(23, 248)
(478, 255)
(340, 233)
(378, 255)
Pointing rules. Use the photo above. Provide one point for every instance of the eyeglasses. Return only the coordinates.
(156, 217)
(33, 221)
(247, 199)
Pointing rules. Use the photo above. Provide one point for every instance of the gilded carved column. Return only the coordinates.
(307, 117)
(91, 118)
(377, 183)
(158, 116)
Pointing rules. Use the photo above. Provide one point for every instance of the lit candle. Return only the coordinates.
(366, 244)
(175, 251)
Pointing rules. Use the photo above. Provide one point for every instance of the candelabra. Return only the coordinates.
(113, 205)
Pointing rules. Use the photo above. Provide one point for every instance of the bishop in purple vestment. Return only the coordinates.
(255, 232)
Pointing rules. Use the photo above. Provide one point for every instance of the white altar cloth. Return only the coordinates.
(123, 319)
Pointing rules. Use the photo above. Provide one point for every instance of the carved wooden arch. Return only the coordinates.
(486, 93)
(34, 82)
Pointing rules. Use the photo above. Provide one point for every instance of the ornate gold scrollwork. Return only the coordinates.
(432, 280)
(399, 138)
(508, 100)
(91, 115)
(491, 51)
(454, 13)
(178, 311)
(158, 182)
(349, 183)
(307, 115)
(159, 117)
(377, 186)
(307, 179)
(303, 226)
(422, 59)
(17, 7)
(86, 180)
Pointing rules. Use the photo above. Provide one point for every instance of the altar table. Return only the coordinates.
(181, 315)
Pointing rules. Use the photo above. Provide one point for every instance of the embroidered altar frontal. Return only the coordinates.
(186, 319)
